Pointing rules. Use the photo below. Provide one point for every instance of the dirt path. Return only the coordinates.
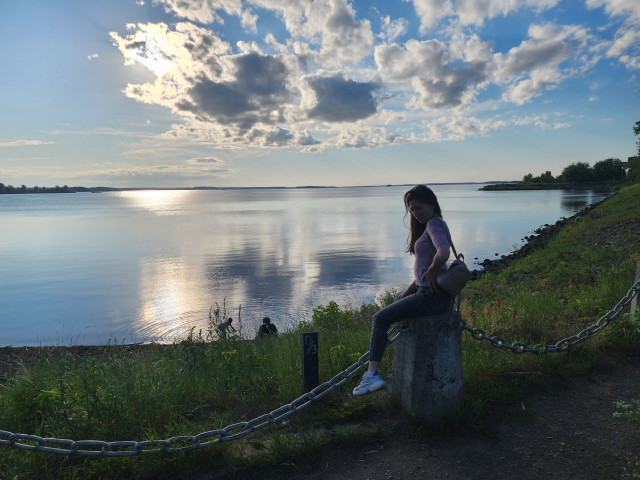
(562, 431)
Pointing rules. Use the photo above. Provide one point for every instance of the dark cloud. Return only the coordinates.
(342, 100)
(548, 53)
(139, 45)
(449, 90)
(259, 89)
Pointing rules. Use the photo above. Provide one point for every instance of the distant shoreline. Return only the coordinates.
(66, 189)
(520, 186)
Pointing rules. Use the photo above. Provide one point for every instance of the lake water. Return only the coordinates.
(139, 266)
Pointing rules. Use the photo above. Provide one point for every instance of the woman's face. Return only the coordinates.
(422, 212)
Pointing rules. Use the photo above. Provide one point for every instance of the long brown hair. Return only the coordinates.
(423, 194)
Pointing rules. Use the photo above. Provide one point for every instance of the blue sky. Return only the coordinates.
(328, 92)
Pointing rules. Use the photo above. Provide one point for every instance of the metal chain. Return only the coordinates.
(564, 344)
(186, 443)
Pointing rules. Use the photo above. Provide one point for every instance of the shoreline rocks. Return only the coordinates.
(536, 241)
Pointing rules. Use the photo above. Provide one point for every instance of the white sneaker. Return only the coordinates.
(370, 382)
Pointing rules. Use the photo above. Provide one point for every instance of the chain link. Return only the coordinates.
(564, 344)
(185, 443)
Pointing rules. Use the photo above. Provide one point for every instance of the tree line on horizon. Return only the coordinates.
(611, 170)
(24, 189)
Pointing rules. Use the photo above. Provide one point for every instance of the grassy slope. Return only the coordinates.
(198, 386)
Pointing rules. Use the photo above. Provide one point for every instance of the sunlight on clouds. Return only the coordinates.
(326, 79)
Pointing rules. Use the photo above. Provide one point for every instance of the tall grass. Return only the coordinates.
(199, 384)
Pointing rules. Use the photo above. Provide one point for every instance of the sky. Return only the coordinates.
(263, 93)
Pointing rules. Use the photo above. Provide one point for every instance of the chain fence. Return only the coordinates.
(186, 443)
(564, 344)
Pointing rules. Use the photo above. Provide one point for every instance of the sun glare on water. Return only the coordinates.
(160, 202)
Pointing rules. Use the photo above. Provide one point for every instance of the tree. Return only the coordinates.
(634, 169)
(579, 172)
(546, 177)
(634, 162)
(609, 170)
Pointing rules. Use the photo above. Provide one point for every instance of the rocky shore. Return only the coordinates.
(536, 241)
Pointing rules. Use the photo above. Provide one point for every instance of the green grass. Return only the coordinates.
(199, 385)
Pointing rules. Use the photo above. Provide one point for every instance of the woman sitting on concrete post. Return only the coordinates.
(429, 243)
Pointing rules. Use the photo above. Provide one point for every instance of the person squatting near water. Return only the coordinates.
(224, 327)
(428, 241)
(267, 328)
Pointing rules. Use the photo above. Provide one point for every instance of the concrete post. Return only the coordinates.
(427, 367)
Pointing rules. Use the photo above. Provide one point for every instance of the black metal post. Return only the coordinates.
(310, 370)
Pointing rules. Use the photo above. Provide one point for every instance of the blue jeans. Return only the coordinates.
(423, 302)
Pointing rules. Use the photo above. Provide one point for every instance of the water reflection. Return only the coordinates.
(575, 200)
(148, 265)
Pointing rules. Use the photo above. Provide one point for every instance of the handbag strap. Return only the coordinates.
(461, 256)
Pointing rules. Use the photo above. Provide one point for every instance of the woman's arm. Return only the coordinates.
(410, 290)
(439, 259)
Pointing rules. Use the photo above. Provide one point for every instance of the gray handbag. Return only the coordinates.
(456, 276)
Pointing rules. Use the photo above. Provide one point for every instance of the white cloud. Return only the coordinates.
(392, 29)
(540, 122)
(428, 67)
(93, 56)
(343, 38)
(625, 8)
(251, 98)
(197, 167)
(24, 143)
(534, 65)
(472, 12)
(311, 83)
(205, 11)
(458, 127)
(626, 47)
(475, 12)
(431, 12)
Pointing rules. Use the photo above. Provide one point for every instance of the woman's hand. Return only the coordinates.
(410, 289)
(431, 277)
